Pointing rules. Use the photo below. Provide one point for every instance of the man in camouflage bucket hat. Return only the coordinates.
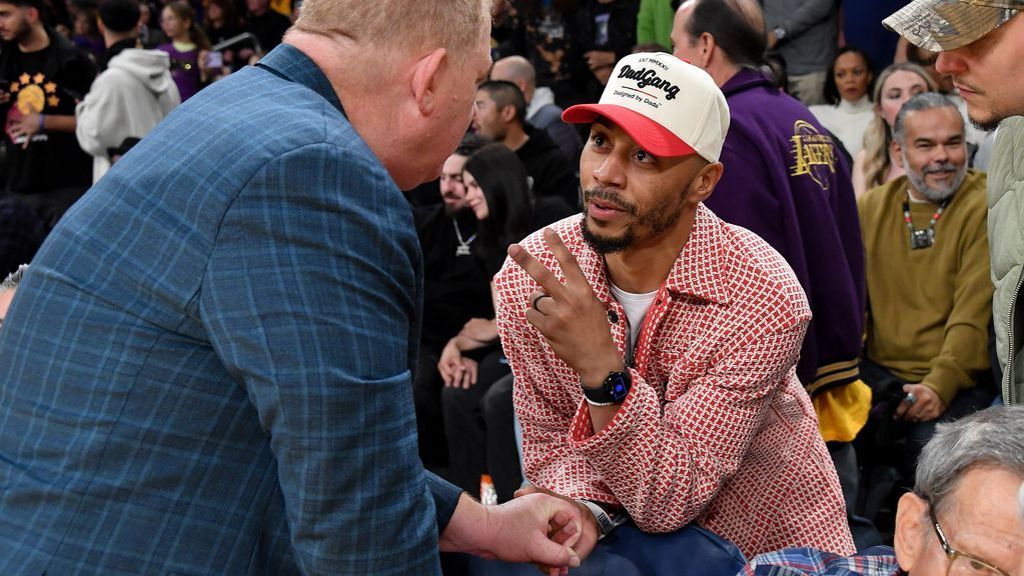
(980, 44)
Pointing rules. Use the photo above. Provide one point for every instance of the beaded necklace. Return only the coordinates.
(925, 237)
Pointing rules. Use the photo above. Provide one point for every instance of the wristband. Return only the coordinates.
(41, 119)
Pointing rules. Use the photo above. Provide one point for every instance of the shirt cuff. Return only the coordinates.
(620, 429)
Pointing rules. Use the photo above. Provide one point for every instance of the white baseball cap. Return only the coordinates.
(668, 106)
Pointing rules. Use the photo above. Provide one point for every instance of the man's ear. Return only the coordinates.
(911, 522)
(707, 46)
(897, 153)
(508, 113)
(426, 79)
(704, 182)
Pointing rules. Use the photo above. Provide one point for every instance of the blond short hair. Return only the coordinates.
(451, 24)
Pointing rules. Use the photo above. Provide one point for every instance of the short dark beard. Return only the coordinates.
(986, 126)
(607, 245)
(658, 220)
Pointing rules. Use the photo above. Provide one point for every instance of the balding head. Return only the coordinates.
(517, 70)
(737, 27)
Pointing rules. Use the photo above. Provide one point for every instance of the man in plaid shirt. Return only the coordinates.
(960, 518)
(653, 345)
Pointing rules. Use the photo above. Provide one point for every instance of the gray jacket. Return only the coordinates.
(811, 32)
(1006, 241)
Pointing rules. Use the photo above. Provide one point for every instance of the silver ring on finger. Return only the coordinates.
(910, 399)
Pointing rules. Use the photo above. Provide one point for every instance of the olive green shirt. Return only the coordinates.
(928, 309)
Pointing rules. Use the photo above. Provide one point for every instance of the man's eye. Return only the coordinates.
(597, 139)
(643, 156)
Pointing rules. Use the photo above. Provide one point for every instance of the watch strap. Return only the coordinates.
(605, 522)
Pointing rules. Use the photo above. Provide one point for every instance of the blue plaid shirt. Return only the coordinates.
(207, 369)
(875, 561)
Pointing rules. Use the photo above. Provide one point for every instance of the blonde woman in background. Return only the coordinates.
(873, 166)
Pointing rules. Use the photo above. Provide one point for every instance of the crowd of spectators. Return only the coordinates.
(864, 172)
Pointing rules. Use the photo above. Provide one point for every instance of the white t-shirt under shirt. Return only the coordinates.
(636, 307)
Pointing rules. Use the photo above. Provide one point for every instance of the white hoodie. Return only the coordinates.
(126, 100)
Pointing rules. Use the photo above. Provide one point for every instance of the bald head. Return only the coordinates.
(517, 70)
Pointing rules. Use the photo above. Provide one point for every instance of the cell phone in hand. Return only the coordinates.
(214, 59)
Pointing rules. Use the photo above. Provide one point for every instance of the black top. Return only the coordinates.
(50, 81)
(456, 287)
(269, 28)
(551, 171)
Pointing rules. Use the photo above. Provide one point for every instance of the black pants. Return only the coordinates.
(888, 449)
(478, 422)
(51, 205)
(899, 443)
(426, 392)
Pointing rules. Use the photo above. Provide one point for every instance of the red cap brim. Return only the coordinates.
(650, 135)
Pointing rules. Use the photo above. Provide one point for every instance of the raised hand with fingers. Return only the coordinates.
(571, 318)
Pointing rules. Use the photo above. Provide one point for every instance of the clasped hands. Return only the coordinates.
(456, 370)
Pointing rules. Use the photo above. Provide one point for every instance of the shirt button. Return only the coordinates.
(613, 317)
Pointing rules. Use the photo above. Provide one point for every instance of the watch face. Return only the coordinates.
(618, 388)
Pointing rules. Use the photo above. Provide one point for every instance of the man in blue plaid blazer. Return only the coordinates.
(207, 368)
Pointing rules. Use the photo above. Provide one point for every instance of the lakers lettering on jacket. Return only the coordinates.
(813, 154)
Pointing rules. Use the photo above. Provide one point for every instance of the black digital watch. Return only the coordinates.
(612, 391)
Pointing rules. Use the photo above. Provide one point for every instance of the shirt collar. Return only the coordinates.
(292, 64)
(697, 272)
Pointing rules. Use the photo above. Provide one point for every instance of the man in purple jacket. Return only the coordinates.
(786, 180)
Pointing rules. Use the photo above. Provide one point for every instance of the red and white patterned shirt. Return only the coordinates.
(716, 428)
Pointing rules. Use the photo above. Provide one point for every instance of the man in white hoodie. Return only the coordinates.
(131, 96)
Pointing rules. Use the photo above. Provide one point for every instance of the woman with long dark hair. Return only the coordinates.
(848, 93)
(498, 192)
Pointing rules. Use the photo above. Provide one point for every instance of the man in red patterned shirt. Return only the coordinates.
(654, 346)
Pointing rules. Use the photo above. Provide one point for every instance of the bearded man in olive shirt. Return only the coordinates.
(929, 294)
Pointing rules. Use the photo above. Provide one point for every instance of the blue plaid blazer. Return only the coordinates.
(207, 368)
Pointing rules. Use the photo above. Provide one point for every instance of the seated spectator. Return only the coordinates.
(787, 181)
(964, 516)
(498, 192)
(131, 96)
(874, 165)
(658, 382)
(929, 294)
(541, 110)
(847, 91)
(455, 289)
(7, 289)
(500, 116)
(87, 37)
(21, 233)
(150, 33)
(178, 22)
(267, 25)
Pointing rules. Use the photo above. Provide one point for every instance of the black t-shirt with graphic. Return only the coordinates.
(51, 81)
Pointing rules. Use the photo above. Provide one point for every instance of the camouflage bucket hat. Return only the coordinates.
(939, 25)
